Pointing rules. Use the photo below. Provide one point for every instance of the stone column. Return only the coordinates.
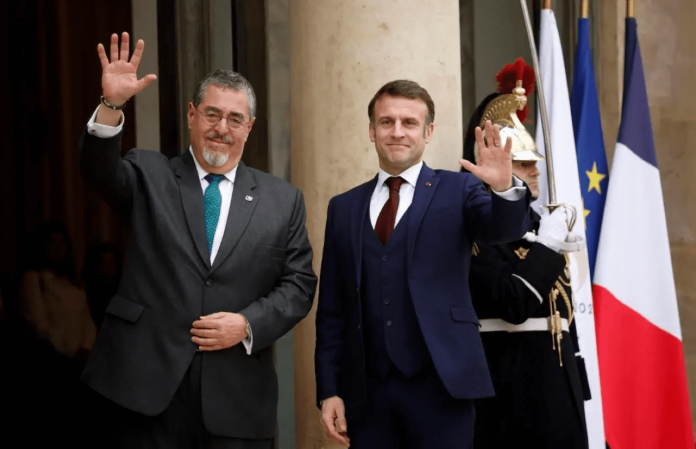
(342, 52)
(147, 117)
(610, 57)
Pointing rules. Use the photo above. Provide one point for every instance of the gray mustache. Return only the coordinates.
(225, 139)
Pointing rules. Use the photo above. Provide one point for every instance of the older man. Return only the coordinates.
(218, 267)
(398, 355)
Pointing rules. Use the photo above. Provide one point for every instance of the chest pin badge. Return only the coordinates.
(427, 184)
(248, 197)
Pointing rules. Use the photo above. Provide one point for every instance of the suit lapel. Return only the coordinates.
(241, 208)
(192, 200)
(425, 189)
(357, 226)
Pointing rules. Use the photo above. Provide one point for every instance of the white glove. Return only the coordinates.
(554, 233)
(554, 225)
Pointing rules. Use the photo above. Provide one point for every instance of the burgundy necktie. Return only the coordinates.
(387, 217)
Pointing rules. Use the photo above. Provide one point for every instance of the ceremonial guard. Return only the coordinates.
(522, 295)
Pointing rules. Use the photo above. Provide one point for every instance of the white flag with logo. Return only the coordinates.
(565, 167)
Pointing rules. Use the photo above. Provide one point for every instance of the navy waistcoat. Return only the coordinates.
(392, 332)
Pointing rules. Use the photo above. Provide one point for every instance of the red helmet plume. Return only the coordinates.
(507, 80)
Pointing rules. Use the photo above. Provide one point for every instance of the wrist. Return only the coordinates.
(503, 187)
(323, 401)
(108, 116)
(247, 326)
(116, 104)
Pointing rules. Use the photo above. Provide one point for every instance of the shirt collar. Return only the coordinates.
(410, 175)
(230, 175)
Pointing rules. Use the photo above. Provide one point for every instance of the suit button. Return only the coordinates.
(389, 323)
(209, 283)
(384, 258)
(358, 328)
(386, 301)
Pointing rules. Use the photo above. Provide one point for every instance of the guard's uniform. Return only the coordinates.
(539, 400)
(516, 288)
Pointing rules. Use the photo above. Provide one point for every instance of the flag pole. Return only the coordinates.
(585, 9)
(629, 9)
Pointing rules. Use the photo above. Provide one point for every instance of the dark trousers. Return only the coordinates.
(411, 413)
(180, 425)
(545, 420)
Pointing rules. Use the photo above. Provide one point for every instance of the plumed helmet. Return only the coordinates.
(507, 109)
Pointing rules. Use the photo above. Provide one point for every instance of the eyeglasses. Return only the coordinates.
(213, 118)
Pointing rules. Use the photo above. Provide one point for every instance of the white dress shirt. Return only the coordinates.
(408, 188)
(226, 187)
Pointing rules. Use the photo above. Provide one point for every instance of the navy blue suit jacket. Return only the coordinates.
(449, 212)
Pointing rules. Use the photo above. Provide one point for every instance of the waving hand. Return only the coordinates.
(495, 161)
(119, 79)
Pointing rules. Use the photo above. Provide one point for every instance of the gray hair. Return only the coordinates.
(226, 79)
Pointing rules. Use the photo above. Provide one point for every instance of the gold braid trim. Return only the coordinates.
(566, 299)
(555, 320)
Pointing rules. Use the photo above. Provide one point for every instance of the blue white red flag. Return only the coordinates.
(639, 341)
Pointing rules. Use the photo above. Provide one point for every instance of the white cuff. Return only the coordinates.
(514, 193)
(103, 131)
(571, 244)
(249, 342)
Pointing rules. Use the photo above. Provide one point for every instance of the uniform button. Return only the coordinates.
(209, 282)
(389, 323)
(384, 258)
(386, 301)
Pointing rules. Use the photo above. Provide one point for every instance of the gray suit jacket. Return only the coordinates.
(263, 270)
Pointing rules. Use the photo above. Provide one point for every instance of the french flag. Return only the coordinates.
(639, 342)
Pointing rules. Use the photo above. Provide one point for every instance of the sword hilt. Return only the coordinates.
(571, 213)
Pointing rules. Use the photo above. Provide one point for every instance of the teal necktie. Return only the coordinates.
(212, 200)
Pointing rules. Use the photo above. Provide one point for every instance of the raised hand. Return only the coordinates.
(119, 78)
(494, 162)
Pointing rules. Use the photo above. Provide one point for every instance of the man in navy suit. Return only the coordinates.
(398, 355)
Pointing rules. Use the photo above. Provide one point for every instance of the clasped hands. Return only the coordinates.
(494, 165)
(219, 330)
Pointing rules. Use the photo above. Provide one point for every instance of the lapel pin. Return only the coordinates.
(248, 198)
(428, 184)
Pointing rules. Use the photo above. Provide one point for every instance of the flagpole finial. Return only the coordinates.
(629, 9)
(547, 4)
(585, 9)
